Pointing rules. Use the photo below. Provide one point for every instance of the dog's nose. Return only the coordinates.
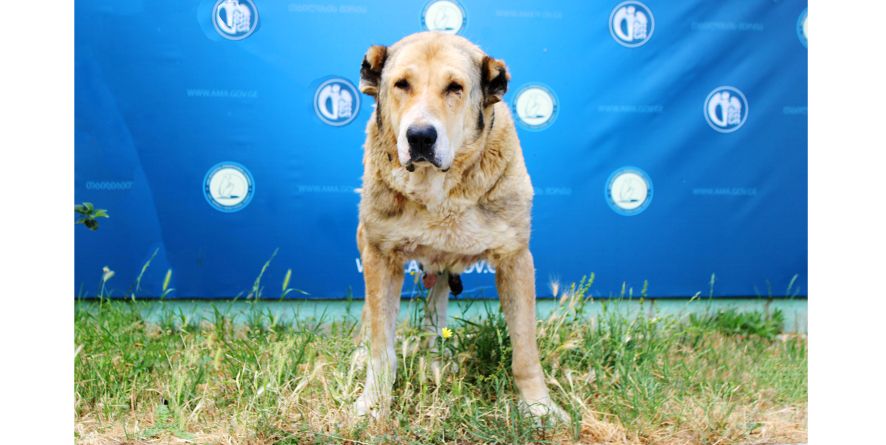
(421, 142)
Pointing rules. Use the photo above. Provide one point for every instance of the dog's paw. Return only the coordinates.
(546, 409)
(366, 405)
(363, 407)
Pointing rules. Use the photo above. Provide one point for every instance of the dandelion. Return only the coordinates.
(446, 333)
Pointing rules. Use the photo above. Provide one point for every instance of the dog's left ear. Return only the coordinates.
(370, 70)
(494, 79)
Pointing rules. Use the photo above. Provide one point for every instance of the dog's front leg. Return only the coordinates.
(384, 281)
(515, 280)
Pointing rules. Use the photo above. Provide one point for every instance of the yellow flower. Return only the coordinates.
(446, 333)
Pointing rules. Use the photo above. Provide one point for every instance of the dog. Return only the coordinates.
(444, 183)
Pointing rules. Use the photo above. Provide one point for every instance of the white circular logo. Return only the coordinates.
(631, 24)
(801, 28)
(235, 19)
(337, 102)
(228, 186)
(444, 15)
(535, 106)
(628, 191)
(726, 109)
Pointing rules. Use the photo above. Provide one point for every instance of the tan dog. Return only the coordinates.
(444, 183)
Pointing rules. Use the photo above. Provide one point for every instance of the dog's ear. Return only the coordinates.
(494, 79)
(370, 70)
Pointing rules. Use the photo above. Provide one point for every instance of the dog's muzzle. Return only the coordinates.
(421, 140)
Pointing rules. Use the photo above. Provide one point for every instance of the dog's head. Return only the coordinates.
(432, 90)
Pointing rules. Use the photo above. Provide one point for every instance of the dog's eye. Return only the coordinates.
(402, 84)
(454, 87)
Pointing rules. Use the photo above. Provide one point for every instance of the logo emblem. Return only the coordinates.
(631, 24)
(628, 191)
(444, 15)
(535, 106)
(801, 28)
(726, 109)
(228, 187)
(337, 102)
(235, 19)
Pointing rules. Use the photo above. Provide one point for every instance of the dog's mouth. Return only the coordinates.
(424, 161)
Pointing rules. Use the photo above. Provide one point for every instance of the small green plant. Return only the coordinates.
(288, 290)
(88, 215)
(164, 423)
(166, 290)
(733, 322)
(257, 288)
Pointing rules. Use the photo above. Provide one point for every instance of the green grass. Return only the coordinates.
(721, 377)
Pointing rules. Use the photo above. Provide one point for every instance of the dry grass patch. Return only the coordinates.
(625, 380)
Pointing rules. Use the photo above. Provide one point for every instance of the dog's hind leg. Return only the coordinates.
(515, 280)
(455, 285)
(384, 282)
(435, 317)
(438, 302)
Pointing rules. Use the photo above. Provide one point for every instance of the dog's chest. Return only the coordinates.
(449, 235)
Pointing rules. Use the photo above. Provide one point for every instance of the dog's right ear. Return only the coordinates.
(370, 70)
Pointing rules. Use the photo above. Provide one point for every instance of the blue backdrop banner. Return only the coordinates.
(667, 141)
